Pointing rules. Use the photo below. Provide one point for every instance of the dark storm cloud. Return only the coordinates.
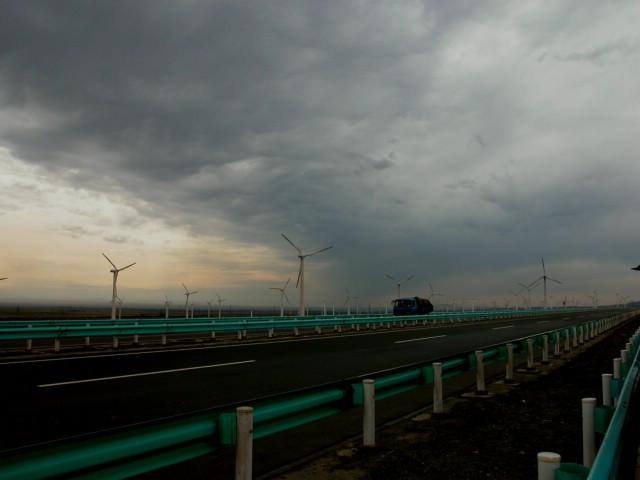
(418, 137)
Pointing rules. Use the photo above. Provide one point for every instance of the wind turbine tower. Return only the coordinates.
(283, 295)
(300, 281)
(186, 304)
(400, 283)
(114, 297)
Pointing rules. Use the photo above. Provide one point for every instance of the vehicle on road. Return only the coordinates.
(412, 306)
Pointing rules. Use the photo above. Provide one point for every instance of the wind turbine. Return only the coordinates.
(400, 283)
(301, 271)
(186, 304)
(433, 294)
(115, 272)
(530, 287)
(544, 278)
(220, 300)
(283, 295)
(594, 299)
(166, 306)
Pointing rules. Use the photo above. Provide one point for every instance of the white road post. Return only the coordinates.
(588, 431)
(575, 337)
(87, 340)
(616, 368)
(606, 389)
(369, 414)
(556, 345)
(115, 341)
(244, 443)
(529, 353)
(567, 347)
(548, 463)
(545, 349)
(56, 345)
(437, 388)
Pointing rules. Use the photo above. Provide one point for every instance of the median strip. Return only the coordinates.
(101, 379)
(419, 339)
(500, 328)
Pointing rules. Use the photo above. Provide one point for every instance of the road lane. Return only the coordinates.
(34, 414)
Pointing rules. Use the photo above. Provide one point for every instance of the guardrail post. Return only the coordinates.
(213, 332)
(530, 354)
(588, 431)
(437, 388)
(509, 368)
(369, 414)
(575, 336)
(480, 385)
(244, 443)
(556, 345)
(548, 463)
(56, 345)
(616, 368)
(606, 388)
(567, 339)
(87, 340)
(545, 349)
(115, 341)
(164, 339)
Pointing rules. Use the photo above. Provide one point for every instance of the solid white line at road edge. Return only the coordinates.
(500, 328)
(419, 339)
(142, 374)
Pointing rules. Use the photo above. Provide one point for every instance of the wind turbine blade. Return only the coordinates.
(554, 280)
(285, 285)
(292, 244)
(543, 270)
(285, 296)
(128, 266)
(523, 286)
(109, 261)
(185, 288)
(408, 278)
(309, 254)
(389, 276)
(193, 292)
(274, 288)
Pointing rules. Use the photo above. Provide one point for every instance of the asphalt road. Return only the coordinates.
(60, 396)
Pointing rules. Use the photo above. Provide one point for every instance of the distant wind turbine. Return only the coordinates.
(283, 295)
(594, 299)
(166, 306)
(301, 271)
(114, 297)
(186, 304)
(529, 287)
(399, 283)
(433, 294)
(220, 300)
(544, 279)
(348, 302)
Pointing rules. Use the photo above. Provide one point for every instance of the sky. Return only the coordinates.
(457, 143)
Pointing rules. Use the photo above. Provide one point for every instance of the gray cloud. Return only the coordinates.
(420, 137)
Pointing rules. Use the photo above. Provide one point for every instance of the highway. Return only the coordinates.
(60, 396)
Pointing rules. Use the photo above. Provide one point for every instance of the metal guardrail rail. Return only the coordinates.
(43, 329)
(128, 451)
(607, 463)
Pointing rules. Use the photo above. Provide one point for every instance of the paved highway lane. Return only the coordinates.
(51, 398)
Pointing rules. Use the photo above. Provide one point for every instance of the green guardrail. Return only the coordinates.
(29, 330)
(128, 451)
(611, 420)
